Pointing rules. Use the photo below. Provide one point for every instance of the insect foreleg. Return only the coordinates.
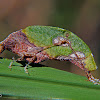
(10, 65)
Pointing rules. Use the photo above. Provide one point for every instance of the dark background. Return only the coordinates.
(79, 16)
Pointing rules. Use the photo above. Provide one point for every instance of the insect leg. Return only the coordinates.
(10, 65)
(25, 68)
(91, 78)
(13, 60)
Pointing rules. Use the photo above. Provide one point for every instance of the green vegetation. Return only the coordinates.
(45, 83)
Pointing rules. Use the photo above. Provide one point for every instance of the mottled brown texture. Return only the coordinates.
(18, 43)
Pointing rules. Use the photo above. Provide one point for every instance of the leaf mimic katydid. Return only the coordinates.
(37, 43)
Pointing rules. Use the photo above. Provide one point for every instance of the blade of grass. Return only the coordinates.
(44, 82)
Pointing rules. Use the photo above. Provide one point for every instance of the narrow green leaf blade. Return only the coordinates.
(45, 83)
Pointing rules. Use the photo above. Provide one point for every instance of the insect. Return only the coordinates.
(37, 43)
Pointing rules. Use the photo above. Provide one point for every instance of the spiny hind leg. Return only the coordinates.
(81, 65)
(92, 79)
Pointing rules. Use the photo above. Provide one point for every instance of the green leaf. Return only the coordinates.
(44, 83)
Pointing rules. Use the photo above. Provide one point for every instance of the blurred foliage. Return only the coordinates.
(66, 12)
